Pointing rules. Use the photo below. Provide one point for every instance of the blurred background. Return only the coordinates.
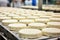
(19, 3)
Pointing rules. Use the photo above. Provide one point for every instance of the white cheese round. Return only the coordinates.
(32, 17)
(26, 21)
(13, 15)
(3, 18)
(56, 15)
(51, 32)
(30, 33)
(6, 22)
(17, 26)
(54, 24)
(55, 19)
(48, 17)
(19, 17)
(37, 25)
(42, 20)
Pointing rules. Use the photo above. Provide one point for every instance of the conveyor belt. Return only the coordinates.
(11, 36)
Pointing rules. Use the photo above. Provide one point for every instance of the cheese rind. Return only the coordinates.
(53, 24)
(26, 21)
(42, 20)
(56, 15)
(30, 33)
(37, 25)
(3, 18)
(17, 26)
(6, 22)
(19, 17)
(55, 19)
(51, 32)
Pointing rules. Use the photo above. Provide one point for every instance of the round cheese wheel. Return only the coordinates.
(37, 25)
(6, 13)
(42, 20)
(13, 15)
(6, 22)
(49, 13)
(25, 15)
(56, 15)
(30, 33)
(2, 15)
(17, 26)
(48, 17)
(51, 32)
(3, 18)
(26, 21)
(55, 19)
(32, 17)
(54, 24)
(19, 17)
(36, 14)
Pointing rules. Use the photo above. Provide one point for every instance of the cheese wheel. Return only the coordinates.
(2, 15)
(58, 9)
(26, 21)
(20, 12)
(46, 13)
(30, 33)
(25, 15)
(6, 22)
(42, 20)
(51, 32)
(37, 25)
(36, 14)
(2, 18)
(48, 17)
(19, 17)
(13, 15)
(41, 12)
(32, 17)
(6, 13)
(55, 19)
(17, 26)
(56, 15)
(49, 13)
(54, 24)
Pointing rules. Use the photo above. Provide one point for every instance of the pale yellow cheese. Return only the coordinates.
(56, 15)
(30, 33)
(54, 24)
(51, 32)
(55, 19)
(26, 21)
(42, 20)
(13, 15)
(48, 17)
(32, 17)
(6, 22)
(37, 25)
(19, 17)
(2, 18)
(17, 26)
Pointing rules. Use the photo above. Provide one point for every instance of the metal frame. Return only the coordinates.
(8, 34)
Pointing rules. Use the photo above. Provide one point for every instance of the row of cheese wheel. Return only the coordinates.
(31, 23)
(45, 7)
